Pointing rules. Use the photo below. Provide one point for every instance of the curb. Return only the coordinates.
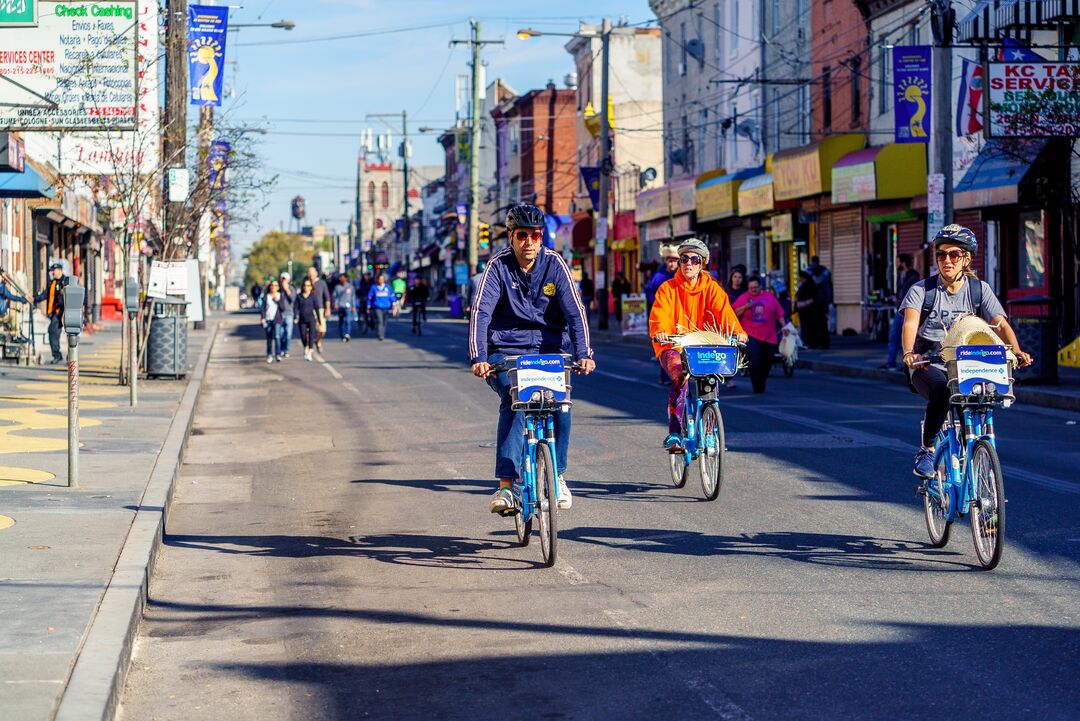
(97, 678)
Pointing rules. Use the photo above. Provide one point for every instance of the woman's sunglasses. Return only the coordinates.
(690, 260)
(533, 235)
(952, 255)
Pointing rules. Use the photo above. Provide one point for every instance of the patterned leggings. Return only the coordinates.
(671, 362)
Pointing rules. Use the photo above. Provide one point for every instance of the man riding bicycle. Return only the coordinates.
(526, 302)
(930, 309)
(693, 300)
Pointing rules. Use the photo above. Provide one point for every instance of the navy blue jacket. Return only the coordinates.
(537, 312)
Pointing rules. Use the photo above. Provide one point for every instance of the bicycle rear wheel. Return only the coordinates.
(988, 508)
(711, 459)
(548, 511)
(936, 502)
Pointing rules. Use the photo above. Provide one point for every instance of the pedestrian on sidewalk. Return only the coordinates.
(736, 284)
(53, 298)
(761, 315)
(588, 292)
(823, 306)
(805, 298)
(344, 305)
(619, 287)
(907, 276)
(288, 299)
(307, 316)
(273, 321)
(322, 296)
(381, 299)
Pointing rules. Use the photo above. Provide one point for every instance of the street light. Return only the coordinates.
(279, 25)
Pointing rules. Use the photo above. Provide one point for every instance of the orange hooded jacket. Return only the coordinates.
(693, 308)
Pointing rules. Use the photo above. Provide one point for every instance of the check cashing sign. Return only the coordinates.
(18, 13)
(1033, 99)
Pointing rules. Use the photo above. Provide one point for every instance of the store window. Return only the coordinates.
(1031, 251)
(385, 195)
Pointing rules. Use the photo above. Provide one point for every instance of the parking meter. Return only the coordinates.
(74, 295)
(131, 295)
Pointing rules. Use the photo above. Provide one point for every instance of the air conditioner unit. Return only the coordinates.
(682, 68)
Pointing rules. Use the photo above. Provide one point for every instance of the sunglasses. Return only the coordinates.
(952, 255)
(533, 235)
(690, 259)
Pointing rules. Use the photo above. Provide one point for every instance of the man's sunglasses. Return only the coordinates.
(953, 255)
(690, 259)
(533, 235)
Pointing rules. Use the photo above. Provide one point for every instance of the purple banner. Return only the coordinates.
(911, 84)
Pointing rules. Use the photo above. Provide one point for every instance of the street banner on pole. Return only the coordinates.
(591, 176)
(911, 79)
(969, 103)
(207, 27)
(218, 159)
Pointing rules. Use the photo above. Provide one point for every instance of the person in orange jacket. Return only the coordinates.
(694, 301)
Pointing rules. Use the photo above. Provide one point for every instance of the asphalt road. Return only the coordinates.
(330, 556)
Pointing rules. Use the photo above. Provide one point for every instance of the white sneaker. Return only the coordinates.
(269, 359)
(566, 499)
(502, 501)
(307, 355)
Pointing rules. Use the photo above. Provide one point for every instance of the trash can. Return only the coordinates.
(166, 351)
(456, 309)
(1035, 322)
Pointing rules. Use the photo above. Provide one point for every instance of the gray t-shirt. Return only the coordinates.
(949, 307)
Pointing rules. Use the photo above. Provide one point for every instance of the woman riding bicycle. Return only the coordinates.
(692, 300)
(953, 293)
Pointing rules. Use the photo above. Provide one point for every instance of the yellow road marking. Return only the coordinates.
(6, 522)
(14, 476)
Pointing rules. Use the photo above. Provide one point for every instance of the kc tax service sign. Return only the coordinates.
(1033, 99)
(75, 71)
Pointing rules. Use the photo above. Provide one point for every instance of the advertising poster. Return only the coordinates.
(1033, 100)
(911, 80)
(635, 318)
(207, 27)
(156, 286)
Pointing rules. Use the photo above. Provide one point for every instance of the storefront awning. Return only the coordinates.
(995, 176)
(717, 194)
(27, 184)
(756, 195)
(804, 171)
(675, 198)
(885, 172)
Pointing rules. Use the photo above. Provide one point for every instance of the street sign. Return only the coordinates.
(179, 185)
(935, 204)
(18, 13)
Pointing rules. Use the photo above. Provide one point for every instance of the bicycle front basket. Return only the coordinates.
(980, 364)
(711, 360)
(540, 380)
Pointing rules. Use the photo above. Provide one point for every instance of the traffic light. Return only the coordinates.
(484, 235)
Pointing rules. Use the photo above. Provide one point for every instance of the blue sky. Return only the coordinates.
(313, 93)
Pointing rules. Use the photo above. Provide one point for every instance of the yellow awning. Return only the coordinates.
(756, 195)
(804, 171)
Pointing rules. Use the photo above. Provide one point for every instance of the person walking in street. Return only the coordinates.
(288, 304)
(526, 303)
(363, 285)
(805, 298)
(272, 314)
(53, 298)
(823, 279)
(663, 274)
(400, 286)
(588, 292)
(693, 300)
(322, 296)
(619, 287)
(761, 316)
(417, 298)
(307, 316)
(906, 276)
(344, 305)
(381, 299)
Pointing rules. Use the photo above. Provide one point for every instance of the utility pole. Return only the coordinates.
(176, 98)
(606, 168)
(475, 44)
(201, 204)
(942, 22)
(405, 178)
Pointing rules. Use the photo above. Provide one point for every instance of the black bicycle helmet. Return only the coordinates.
(957, 235)
(524, 216)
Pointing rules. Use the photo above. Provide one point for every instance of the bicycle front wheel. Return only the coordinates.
(548, 511)
(679, 468)
(988, 507)
(711, 459)
(936, 502)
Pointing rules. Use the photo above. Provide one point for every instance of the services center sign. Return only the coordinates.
(1033, 99)
(75, 71)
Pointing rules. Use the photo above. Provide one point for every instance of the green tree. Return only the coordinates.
(270, 256)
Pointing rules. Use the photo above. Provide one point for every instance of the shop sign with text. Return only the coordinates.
(854, 183)
(798, 174)
(1033, 100)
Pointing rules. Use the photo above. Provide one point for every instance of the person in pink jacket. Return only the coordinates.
(761, 315)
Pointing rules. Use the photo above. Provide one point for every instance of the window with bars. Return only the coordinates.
(826, 97)
(855, 64)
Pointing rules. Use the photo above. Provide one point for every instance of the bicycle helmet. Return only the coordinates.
(693, 245)
(957, 235)
(524, 216)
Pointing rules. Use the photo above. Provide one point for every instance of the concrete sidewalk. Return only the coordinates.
(71, 567)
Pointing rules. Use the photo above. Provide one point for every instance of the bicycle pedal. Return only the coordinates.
(509, 513)
(920, 490)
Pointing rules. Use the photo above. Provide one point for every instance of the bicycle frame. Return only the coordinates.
(975, 423)
(539, 428)
(696, 401)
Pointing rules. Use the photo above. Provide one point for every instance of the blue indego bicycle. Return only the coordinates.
(967, 476)
(539, 388)
(707, 368)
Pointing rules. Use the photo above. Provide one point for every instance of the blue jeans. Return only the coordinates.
(510, 436)
(895, 332)
(274, 335)
(344, 317)
(286, 334)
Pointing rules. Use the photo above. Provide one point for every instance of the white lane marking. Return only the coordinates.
(724, 708)
(873, 439)
(333, 371)
(350, 387)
